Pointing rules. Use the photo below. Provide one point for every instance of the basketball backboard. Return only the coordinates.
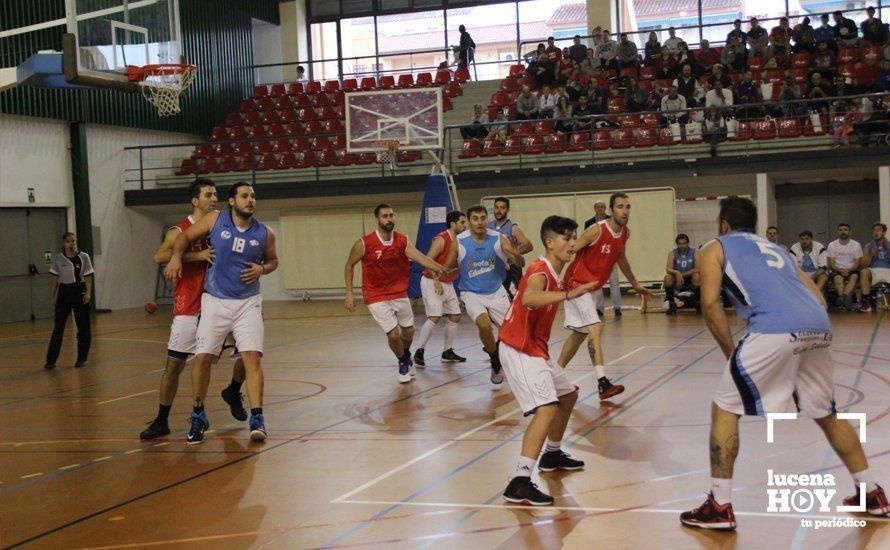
(109, 35)
(413, 117)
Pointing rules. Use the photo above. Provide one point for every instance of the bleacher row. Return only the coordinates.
(291, 125)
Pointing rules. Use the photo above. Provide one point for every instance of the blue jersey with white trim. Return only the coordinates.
(684, 263)
(233, 248)
(881, 253)
(761, 280)
(483, 266)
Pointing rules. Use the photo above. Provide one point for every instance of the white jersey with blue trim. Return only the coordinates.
(761, 280)
(483, 266)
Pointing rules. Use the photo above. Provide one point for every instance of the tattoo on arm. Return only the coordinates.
(723, 455)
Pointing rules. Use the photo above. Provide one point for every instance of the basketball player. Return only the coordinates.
(599, 214)
(875, 264)
(244, 251)
(681, 272)
(598, 249)
(542, 389)
(510, 229)
(482, 256)
(439, 296)
(186, 308)
(386, 273)
(785, 358)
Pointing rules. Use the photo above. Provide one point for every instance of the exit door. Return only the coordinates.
(34, 234)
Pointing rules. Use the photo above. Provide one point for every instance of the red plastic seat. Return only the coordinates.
(320, 100)
(847, 69)
(405, 81)
(629, 121)
(289, 115)
(302, 144)
(424, 79)
(265, 103)
(800, 59)
(789, 128)
(462, 75)
(307, 115)
(246, 163)
(308, 159)
(602, 139)
(350, 84)
(338, 142)
(743, 132)
(270, 117)
(314, 127)
(295, 88)
(580, 141)
(233, 119)
(775, 76)
(387, 81)
(247, 105)
(301, 101)
(293, 129)
(238, 132)
(492, 148)
(648, 72)
(499, 99)
(275, 130)
(225, 164)
(220, 133)
(453, 89)
(534, 145)
(545, 127)
(408, 156)
(187, 166)
(331, 86)
(207, 166)
(447, 105)
(261, 147)
(556, 143)
(251, 118)
(765, 129)
(284, 102)
(256, 131)
(524, 128)
(366, 158)
(260, 91)
(647, 136)
(471, 149)
(322, 142)
(327, 157)
(313, 87)
(800, 75)
(325, 113)
(810, 131)
(629, 72)
(624, 138)
(368, 83)
(267, 162)
(243, 148)
(287, 161)
(278, 90)
(225, 149)
(848, 55)
(517, 70)
(333, 126)
(509, 85)
(756, 63)
(281, 145)
(513, 146)
(616, 105)
(345, 158)
(651, 119)
(443, 77)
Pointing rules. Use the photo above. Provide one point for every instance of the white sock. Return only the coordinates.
(865, 477)
(721, 489)
(450, 333)
(525, 466)
(425, 332)
(550, 445)
(600, 371)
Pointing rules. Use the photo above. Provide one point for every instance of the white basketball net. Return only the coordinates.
(162, 88)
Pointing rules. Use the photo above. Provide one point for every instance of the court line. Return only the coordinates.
(125, 397)
(462, 436)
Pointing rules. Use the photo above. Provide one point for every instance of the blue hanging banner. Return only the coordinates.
(436, 205)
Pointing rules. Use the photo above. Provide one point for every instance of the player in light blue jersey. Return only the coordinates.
(784, 361)
(245, 250)
(875, 264)
(681, 272)
(482, 256)
(510, 229)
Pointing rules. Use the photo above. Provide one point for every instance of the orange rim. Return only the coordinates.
(138, 74)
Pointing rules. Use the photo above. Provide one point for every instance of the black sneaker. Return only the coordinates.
(449, 355)
(49, 366)
(156, 428)
(618, 312)
(418, 358)
(600, 313)
(521, 490)
(607, 389)
(80, 364)
(497, 374)
(558, 460)
(234, 400)
(672, 308)
(710, 515)
(199, 426)
(404, 371)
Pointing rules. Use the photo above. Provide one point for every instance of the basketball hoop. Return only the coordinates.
(162, 85)
(389, 154)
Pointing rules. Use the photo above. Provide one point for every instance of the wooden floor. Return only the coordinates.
(355, 459)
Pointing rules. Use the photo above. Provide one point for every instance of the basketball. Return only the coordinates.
(150, 307)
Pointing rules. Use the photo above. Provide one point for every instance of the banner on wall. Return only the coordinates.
(436, 205)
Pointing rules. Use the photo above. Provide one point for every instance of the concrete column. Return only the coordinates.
(599, 14)
(766, 203)
(294, 36)
(884, 193)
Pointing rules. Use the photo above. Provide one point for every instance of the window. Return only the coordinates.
(357, 47)
(411, 42)
(324, 50)
(493, 29)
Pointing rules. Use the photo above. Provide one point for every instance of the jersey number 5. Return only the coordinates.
(238, 244)
(768, 250)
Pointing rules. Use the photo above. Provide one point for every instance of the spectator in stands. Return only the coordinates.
(845, 31)
(845, 126)
(843, 256)
(607, 52)
(301, 73)
(718, 74)
(536, 64)
(737, 33)
(809, 256)
(875, 264)
(873, 29)
(780, 43)
(554, 54)
(652, 49)
(758, 39)
(867, 74)
(719, 97)
(824, 33)
(563, 115)
(566, 68)
(665, 64)
(803, 36)
(689, 87)
(467, 48)
(790, 91)
(597, 96)
(772, 235)
(673, 106)
(582, 114)
(574, 89)
(748, 92)
(627, 54)
(590, 67)
(527, 104)
(672, 43)
(685, 57)
(823, 60)
(478, 127)
(682, 273)
(715, 127)
(706, 56)
(844, 86)
(577, 51)
(819, 90)
(635, 96)
(884, 76)
(733, 56)
(498, 128)
(877, 122)
(546, 102)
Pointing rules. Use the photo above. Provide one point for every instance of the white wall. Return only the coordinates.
(267, 49)
(34, 153)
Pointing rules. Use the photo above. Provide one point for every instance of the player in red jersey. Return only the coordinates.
(186, 308)
(599, 248)
(540, 387)
(385, 256)
(439, 295)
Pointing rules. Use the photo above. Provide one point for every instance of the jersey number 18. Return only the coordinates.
(238, 244)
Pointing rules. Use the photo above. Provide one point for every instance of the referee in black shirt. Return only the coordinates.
(72, 285)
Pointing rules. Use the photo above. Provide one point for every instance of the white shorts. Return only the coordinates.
(243, 318)
(495, 305)
(812, 274)
(183, 332)
(580, 312)
(534, 381)
(771, 373)
(436, 304)
(879, 275)
(392, 313)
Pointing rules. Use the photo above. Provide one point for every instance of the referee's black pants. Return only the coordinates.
(514, 275)
(68, 299)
